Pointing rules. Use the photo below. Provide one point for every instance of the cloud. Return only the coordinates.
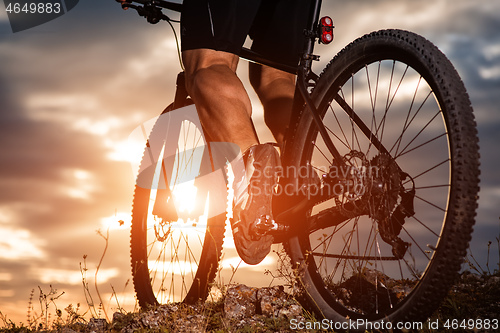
(20, 245)
(72, 277)
(3, 16)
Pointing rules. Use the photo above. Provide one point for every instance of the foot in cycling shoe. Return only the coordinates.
(252, 212)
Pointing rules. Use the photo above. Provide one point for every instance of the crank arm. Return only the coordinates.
(330, 217)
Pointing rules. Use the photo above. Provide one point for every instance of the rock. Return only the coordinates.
(68, 330)
(240, 302)
(192, 323)
(150, 319)
(97, 324)
(293, 311)
(243, 307)
(243, 302)
(493, 280)
(271, 300)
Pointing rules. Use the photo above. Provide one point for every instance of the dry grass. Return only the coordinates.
(475, 296)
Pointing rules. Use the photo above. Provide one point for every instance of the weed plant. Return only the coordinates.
(476, 295)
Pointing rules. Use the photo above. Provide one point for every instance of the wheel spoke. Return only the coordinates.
(430, 169)
(418, 134)
(421, 145)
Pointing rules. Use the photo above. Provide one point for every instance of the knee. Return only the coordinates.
(214, 80)
(207, 70)
(202, 77)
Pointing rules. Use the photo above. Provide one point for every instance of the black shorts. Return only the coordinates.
(275, 26)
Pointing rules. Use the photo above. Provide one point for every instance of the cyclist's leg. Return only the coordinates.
(224, 109)
(212, 37)
(222, 102)
(278, 35)
(275, 89)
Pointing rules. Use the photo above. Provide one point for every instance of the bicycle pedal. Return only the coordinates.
(266, 225)
(262, 226)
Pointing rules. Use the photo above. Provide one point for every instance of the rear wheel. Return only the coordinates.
(388, 243)
(177, 230)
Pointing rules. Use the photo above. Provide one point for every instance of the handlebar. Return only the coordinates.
(152, 9)
(176, 7)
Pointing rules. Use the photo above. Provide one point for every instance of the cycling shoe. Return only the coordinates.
(252, 211)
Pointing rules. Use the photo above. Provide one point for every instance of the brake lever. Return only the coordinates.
(152, 13)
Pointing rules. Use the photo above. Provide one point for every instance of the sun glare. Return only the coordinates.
(180, 267)
(184, 196)
(126, 150)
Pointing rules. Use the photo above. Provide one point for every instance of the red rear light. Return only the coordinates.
(326, 30)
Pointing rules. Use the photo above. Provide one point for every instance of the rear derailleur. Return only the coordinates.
(390, 202)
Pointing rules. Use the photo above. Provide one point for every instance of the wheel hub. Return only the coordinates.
(354, 184)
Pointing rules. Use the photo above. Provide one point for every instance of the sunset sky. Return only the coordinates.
(74, 89)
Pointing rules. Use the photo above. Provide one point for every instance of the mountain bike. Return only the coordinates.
(379, 210)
